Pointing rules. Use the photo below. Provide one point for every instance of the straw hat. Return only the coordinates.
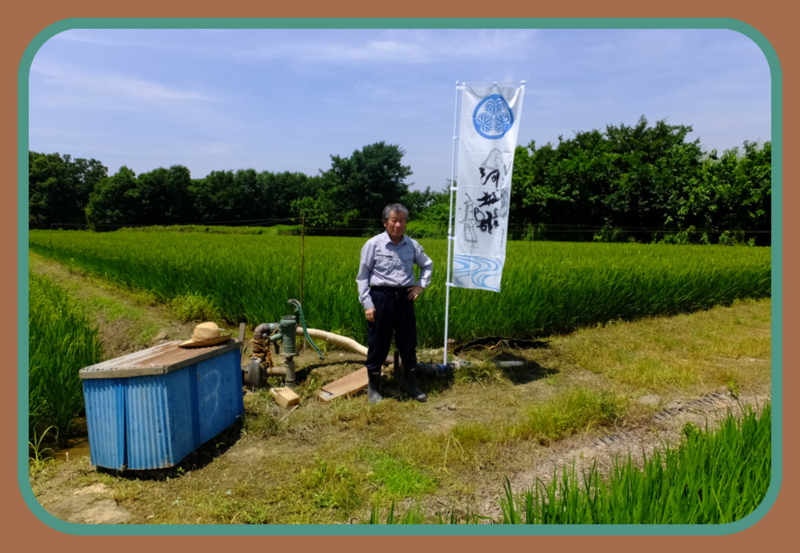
(206, 334)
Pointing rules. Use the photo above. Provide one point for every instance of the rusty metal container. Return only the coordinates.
(150, 409)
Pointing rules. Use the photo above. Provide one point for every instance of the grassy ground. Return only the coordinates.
(336, 462)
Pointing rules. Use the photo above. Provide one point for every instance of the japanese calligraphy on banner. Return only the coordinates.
(488, 126)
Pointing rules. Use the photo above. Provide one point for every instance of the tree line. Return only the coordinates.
(642, 182)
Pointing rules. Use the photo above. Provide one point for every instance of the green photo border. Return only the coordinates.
(403, 23)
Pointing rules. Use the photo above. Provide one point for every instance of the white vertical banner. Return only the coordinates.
(488, 122)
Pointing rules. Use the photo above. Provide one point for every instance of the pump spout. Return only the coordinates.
(264, 330)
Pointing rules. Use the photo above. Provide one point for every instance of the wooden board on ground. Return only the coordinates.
(350, 384)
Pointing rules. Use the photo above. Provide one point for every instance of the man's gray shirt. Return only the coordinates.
(385, 264)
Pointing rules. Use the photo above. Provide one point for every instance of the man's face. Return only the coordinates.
(395, 226)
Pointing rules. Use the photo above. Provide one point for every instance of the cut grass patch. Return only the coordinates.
(569, 413)
(704, 351)
(333, 485)
(398, 479)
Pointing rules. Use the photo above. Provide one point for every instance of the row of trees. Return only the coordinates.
(66, 192)
(642, 178)
(640, 181)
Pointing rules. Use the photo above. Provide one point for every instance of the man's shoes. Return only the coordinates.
(417, 394)
(374, 388)
(410, 385)
(373, 394)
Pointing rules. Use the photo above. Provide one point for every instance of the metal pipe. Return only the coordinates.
(275, 371)
(290, 380)
(264, 330)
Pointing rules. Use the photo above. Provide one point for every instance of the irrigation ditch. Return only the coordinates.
(332, 463)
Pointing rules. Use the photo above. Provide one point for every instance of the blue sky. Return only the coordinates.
(286, 100)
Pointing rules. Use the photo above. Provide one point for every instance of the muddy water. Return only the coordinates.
(78, 448)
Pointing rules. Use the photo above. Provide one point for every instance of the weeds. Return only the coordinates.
(399, 479)
(37, 453)
(575, 411)
(332, 485)
(416, 515)
(733, 389)
(468, 435)
(479, 372)
(261, 417)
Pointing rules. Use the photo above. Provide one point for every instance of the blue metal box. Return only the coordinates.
(150, 409)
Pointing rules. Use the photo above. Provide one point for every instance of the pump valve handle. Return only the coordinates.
(299, 309)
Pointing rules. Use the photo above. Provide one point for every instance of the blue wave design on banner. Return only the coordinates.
(477, 272)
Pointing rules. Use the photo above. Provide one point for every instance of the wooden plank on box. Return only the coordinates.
(350, 384)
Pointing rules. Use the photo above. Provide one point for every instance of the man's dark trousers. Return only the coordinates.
(394, 314)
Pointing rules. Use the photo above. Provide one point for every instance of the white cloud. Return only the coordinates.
(60, 86)
(400, 46)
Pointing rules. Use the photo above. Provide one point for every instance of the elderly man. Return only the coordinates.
(387, 291)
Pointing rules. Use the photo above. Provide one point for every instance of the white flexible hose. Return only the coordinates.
(343, 341)
(354, 346)
(339, 340)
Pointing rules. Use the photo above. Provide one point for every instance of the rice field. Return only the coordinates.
(547, 287)
(61, 342)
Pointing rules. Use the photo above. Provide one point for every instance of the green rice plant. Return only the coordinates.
(710, 478)
(547, 287)
(61, 342)
(192, 307)
(275, 230)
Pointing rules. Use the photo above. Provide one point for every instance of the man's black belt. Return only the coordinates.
(396, 291)
(390, 288)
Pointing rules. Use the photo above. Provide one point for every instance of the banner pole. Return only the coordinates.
(450, 236)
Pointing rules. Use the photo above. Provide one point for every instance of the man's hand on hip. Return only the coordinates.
(414, 292)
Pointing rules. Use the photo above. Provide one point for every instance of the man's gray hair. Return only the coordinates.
(397, 208)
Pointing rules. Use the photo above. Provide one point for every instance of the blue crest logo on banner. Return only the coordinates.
(492, 117)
